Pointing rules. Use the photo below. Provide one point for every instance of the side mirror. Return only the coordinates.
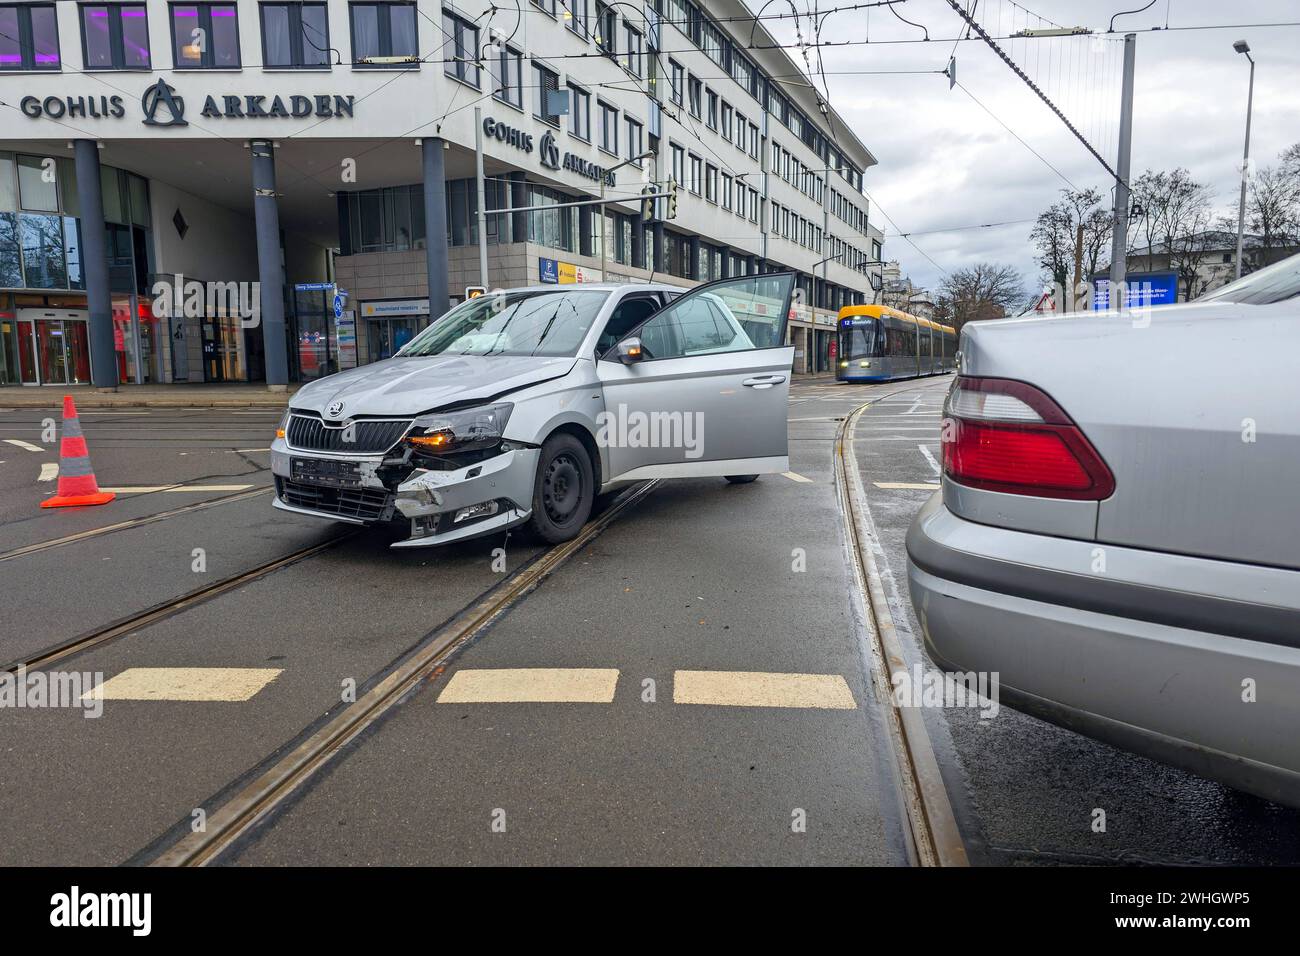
(629, 350)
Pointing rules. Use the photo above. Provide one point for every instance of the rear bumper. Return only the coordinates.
(1111, 656)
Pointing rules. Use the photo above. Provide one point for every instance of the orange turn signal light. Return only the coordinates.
(279, 433)
(437, 440)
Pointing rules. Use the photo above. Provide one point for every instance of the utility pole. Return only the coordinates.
(1072, 298)
(482, 199)
(1242, 47)
(1119, 235)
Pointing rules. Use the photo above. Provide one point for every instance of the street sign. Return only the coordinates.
(338, 306)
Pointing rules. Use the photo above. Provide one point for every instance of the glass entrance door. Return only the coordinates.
(53, 347)
(26, 345)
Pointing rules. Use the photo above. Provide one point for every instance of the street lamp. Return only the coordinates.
(1241, 46)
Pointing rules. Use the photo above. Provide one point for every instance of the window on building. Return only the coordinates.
(711, 183)
(204, 36)
(295, 35)
(711, 113)
(507, 71)
(634, 45)
(545, 82)
(696, 92)
(693, 174)
(29, 37)
(635, 139)
(754, 205)
(741, 130)
(115, 36)
(546, 6)
(608, 127)
(678, 163)
(726, 190)
(383, 32)
(460, 48)
(579, 112)
(575, 16)
(678, 78)
(753, 140)
(724, 123)
(606, 27)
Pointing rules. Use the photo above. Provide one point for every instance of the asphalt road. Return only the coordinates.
(636, 762)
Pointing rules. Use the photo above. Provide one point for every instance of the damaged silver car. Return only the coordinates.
(521, 406)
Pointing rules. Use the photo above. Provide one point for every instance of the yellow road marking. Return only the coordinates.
(907, 485)
(754, 689)
(146, 489)
(186, 683)
(794, 477)
(538, 685)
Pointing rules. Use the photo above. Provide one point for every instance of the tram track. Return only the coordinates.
(934, 837)
(257, 796)
(130, 523)
(61, 651)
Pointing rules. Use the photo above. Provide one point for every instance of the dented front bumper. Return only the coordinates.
(440, 506)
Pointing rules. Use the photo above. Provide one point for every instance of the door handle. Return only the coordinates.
(763, 381)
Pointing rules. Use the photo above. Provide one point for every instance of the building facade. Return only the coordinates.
(184, 187)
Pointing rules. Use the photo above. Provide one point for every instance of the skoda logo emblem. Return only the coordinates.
(550, 153)
(334, 410)
(160, 94)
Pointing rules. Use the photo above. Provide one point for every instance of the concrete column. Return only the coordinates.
(660, 250)
(94, 260)
(270, 269)
(726, 263)
(638, 242)
(519, 197)
(693, 250)
(435, 226)
(586, 225)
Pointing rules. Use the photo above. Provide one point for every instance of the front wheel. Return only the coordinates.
(563, 491)
(741, 479)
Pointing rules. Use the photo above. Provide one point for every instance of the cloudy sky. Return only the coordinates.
(944, 162)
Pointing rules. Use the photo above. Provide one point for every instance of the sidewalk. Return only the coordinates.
(147, 396)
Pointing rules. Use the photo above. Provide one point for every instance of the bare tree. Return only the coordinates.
(986, 290)
(1056, 237)
(1273, 208)
(1175, 215)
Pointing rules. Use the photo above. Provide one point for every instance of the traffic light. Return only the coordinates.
(474, 291)
(647, 203)
(672, 198)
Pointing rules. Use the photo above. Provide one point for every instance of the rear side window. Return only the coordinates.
(1275, 283)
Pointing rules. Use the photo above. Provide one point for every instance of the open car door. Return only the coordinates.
(701, 387)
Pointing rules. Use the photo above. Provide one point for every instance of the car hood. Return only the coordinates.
(408, 386)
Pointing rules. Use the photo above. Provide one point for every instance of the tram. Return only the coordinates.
(879, 344)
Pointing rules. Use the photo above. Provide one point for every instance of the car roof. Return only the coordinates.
(600, 287)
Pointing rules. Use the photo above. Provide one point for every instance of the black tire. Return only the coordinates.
(563, 491)
(741, 479)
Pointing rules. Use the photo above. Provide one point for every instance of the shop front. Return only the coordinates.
(390, 324)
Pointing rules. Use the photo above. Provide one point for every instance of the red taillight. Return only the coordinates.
(1009, 436)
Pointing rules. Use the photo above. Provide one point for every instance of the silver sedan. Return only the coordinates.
(1118, 529)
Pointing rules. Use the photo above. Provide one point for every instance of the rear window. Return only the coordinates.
(1274, 283)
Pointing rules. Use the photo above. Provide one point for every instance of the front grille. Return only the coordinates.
(369, 437)
(363, 504)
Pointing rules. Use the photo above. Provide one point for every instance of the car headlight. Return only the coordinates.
(465, 430)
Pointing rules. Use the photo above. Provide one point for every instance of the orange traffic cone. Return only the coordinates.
(77, 485)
